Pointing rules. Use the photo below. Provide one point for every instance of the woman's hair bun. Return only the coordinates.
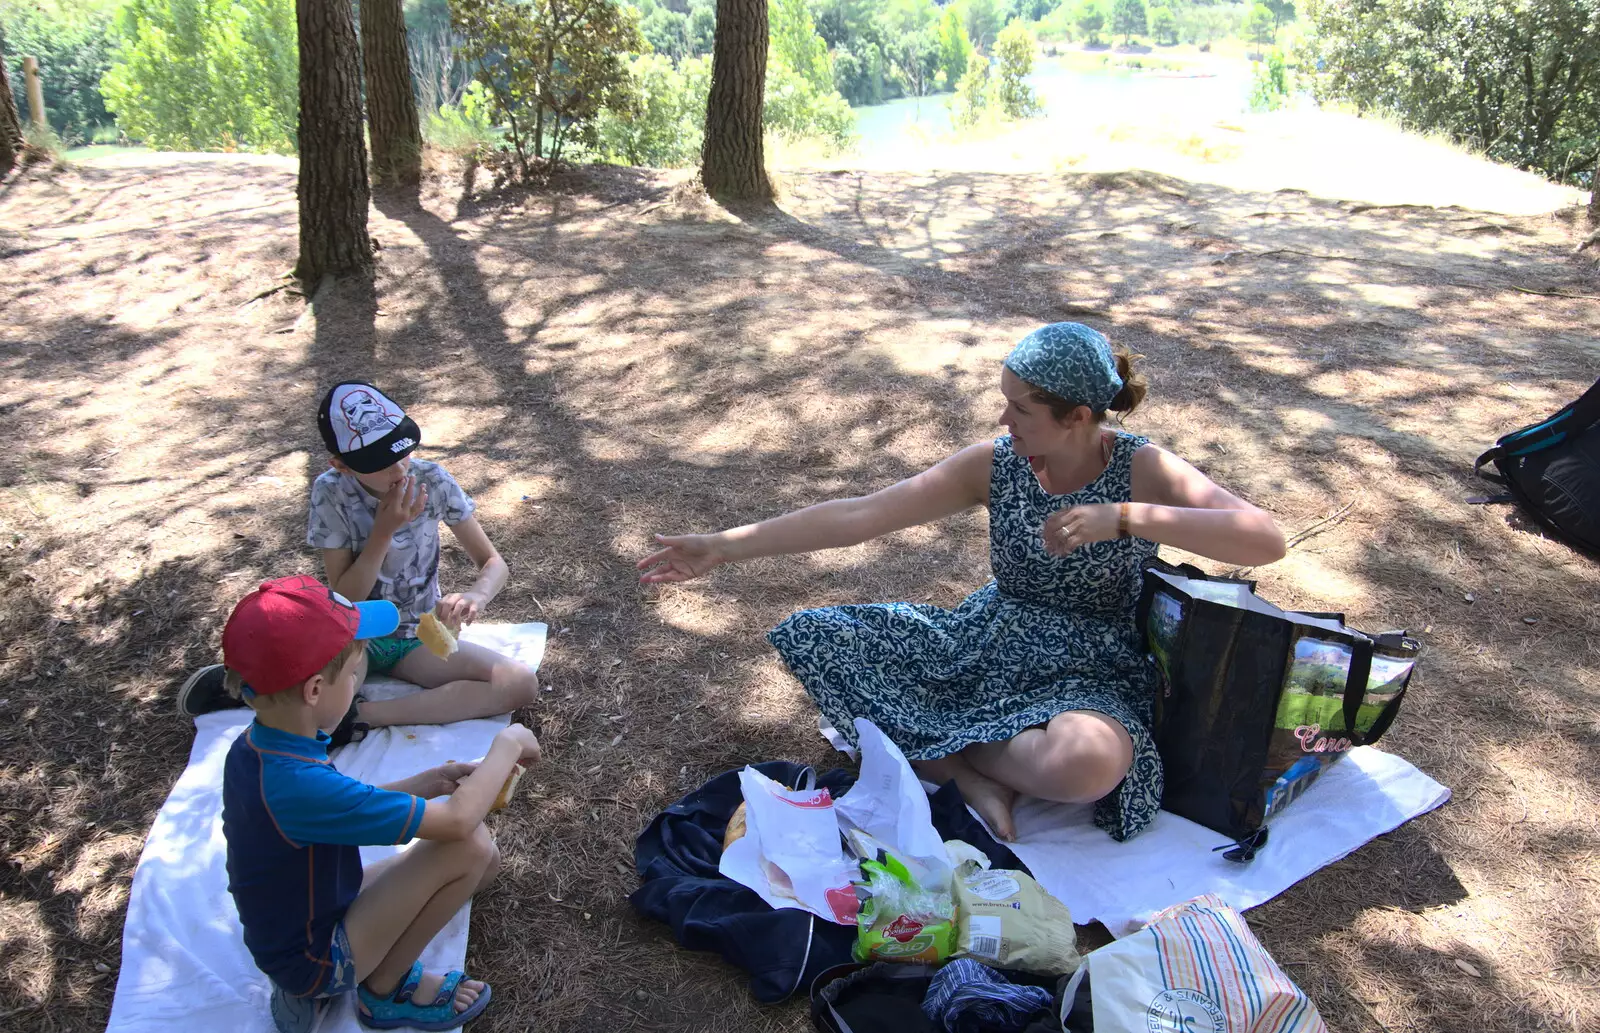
(1134, 385)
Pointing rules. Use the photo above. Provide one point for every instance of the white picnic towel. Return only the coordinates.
(1122, 885)
(184, 965)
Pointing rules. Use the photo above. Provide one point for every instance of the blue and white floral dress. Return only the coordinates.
(1047, 635)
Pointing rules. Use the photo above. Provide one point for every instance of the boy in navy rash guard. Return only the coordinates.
(315, 923)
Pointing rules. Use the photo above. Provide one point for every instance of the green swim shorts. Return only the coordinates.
(384, 653)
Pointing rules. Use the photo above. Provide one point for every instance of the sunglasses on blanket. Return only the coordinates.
(1244, 850)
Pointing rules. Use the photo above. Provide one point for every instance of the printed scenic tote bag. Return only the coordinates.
(1258, 701)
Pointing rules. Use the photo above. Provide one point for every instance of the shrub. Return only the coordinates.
(1164, 26)
(466, 128)
(663, 122)
(1269, 82)
(74, 42)
(207, 74)
(1013, 51)
(1090, 19)
(796, 110)
(972, 95)
(550, 65)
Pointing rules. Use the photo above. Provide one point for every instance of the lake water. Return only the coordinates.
(1071, 98)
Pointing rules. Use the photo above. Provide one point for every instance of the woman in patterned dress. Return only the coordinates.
(1038, 683)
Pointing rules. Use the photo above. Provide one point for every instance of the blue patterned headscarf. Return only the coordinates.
(1069, 360)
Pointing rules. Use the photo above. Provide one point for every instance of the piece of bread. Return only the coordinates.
(508, 789)
(436, 635)
(736, 827)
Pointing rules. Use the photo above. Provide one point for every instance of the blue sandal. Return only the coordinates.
(399, 1011)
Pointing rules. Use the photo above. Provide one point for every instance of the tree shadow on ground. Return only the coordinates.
(599, 362)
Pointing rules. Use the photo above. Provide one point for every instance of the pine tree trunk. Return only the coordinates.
(391, 106)
(733, 162)
(1594, 192)
(10, 123)
(333, 189)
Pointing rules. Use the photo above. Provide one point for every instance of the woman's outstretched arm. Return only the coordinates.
(957, 483)
(1174, 504)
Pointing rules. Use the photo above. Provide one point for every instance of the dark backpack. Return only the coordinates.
(1552, 469)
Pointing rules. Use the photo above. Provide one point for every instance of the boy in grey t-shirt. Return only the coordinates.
(375, 516)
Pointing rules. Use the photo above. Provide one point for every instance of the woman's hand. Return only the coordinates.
(680, 558)
(1066, 529)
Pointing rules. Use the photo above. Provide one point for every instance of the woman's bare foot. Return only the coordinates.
(992, 800)
(467, 991)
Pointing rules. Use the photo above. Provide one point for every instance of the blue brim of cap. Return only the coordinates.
(379, 617)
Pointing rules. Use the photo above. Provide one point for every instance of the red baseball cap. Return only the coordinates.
(289, 628)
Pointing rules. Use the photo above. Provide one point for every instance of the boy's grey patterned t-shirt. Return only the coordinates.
(342, 512)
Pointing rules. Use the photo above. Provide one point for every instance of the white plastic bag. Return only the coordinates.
(791, 852)
(1196, 968)
(889, 804)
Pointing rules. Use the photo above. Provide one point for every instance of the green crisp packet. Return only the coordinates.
(898, 920)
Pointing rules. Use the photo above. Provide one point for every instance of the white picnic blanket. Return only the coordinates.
(1122, 885)
(184, 965)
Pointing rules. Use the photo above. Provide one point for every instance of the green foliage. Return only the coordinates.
(664, 123)
(1128, 19)
(1261, 28)
(702, 26)
(1058, 24)
(796, 110)
(883, 49)
(972, 95)
(842, 22)
(861, 75)
(1091, 18)
(666, 30)
(907, 17)
(1517, 79)
(1269, 82)
(207, 74)
(74, 44)
(441, 78)
(1164, 25)
(795, 43)
(1029, 10)
(1207, 24)
(550, 65)
(982, 19)
(918, 60)
(1282, 11)
(466, 128)
(955, 49)
(1013, 51)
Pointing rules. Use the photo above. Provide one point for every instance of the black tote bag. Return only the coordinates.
(1258, 701)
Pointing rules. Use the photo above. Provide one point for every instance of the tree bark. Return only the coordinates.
(391, 106)
(10, 123)
(333, 189)
(1594, 192)
(733, 160)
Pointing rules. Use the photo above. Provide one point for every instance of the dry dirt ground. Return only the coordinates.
(609, 356)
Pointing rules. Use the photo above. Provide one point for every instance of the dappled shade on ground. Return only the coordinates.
(609, 356)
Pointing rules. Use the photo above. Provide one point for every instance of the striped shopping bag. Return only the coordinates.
(1196, 968)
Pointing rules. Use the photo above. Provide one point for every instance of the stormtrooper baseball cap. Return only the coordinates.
(364, 428)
